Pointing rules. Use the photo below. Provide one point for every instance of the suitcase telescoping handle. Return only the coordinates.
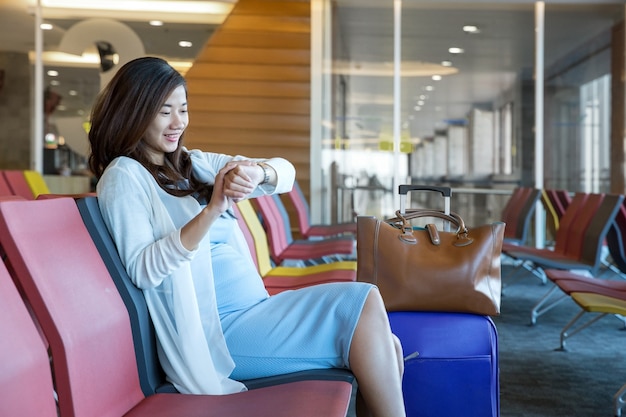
(404, 189)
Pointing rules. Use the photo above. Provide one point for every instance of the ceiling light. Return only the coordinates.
(377, 69)
(446, 63)
(53, 73)
(471, 29)
(455, 50)
(436, 77)
(156, 23)
(185, 44)
(45, 26)
(141, 6)
(206, 12)
(429, 88)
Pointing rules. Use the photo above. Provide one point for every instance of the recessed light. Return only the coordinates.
(429, 88)
(185, 44)
(55, 83)
(72, 93)
(436, 77)
(46, 26)
(446, 63)
(53, 73)
(471, 29)
(156, 23)
(456, 50)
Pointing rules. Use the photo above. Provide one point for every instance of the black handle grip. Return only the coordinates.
(405, 188)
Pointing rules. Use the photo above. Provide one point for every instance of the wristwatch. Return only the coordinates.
(266, 172)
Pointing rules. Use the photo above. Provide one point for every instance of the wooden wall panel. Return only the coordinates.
(249, 88)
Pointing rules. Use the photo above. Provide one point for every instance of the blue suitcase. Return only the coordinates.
(451, 364)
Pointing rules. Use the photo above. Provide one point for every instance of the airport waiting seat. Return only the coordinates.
(283, 247)
(583, 246)
(552, 218)
(518, 212)
(87, 326)
(17, 183)
(151, 375)
(308, 230)
(281, 278)
(36, 183)
(567, 223)
(603, 297)
(5, 190)
(25, 376)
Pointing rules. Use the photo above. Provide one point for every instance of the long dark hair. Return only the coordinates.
(121, 115)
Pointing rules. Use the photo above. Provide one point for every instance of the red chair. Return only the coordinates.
(307, 230)
(25, 377)
(579, 242)
(284, 247)
(518, 212)
(568, 223)
(88, 328)
(281, 278)
(17, 184)
(5, 190)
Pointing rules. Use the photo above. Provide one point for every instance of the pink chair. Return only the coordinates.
(17, 184)
(307, 230)
(88, 328)
(5, 190)
(284, 247)
(281, 278)
(25, 378)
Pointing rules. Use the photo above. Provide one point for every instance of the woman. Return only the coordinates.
(168, 210)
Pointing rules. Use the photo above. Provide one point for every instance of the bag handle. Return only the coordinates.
(401, 221)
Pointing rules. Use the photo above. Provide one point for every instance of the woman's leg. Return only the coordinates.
(376, 361)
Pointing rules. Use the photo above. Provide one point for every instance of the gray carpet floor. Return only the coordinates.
(537, 379)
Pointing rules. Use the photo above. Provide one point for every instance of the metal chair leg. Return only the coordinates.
(619, 400)
(539, 308)
(565, 334)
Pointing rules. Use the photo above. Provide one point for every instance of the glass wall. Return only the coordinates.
(578, 96)
(467, 101)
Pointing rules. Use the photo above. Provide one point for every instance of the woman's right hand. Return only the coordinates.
(232, 184)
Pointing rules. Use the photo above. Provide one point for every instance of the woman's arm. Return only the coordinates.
(148, 242)
(282, 172)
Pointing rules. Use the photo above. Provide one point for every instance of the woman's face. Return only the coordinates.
(165, 130)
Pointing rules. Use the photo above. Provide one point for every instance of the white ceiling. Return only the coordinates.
(492, 58)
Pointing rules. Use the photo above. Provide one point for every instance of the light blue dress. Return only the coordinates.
(309, 328)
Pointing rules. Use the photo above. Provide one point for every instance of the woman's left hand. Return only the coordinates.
(240, 179)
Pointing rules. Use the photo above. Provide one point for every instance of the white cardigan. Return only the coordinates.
(193, 354)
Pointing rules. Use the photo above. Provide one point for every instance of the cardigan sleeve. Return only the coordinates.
(207, 165)
(147, 241)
